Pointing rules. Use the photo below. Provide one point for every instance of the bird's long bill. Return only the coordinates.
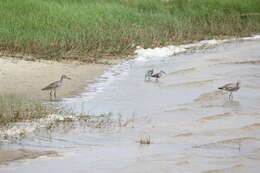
(68, 77)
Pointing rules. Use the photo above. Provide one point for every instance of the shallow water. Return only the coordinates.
(193, 127)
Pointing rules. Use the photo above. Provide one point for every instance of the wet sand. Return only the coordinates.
(7, 156)
(27, 78)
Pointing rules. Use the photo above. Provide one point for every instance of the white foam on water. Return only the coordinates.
(18, 130)
(255, 37)
(158, 53)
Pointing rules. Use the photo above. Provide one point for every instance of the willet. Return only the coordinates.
(54, 85)
(231, 87)
(158, 75)
(148, 74)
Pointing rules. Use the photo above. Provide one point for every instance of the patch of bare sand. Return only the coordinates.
(29, 77)
(240, 168)
(218, 144)
(7, 156)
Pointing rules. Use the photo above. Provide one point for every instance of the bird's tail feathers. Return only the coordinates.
(44, 88)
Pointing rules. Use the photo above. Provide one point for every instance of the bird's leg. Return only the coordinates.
(51, 93)
(230, 95)
(55, 93)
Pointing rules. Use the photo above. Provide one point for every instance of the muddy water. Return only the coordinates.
(193, 127)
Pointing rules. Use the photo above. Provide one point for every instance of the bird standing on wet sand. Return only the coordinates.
(54, 85)
(158, 75)
(148, 74)
(231, 87)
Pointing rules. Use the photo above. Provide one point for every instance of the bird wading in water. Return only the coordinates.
(52, 87)
(230, 87)
(148, 74)
(158, 75)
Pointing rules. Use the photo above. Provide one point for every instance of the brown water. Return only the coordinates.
(193, 127)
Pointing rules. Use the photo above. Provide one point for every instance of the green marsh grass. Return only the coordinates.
(87, 30)
(15, 108)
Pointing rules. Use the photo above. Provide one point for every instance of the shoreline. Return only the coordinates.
(7, 156)
(27, 78)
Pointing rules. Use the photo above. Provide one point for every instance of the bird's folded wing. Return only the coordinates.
(51, 86)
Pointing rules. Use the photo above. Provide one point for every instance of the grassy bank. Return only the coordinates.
(86, 30)
(15, 109)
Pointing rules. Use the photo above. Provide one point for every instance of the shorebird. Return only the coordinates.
(231, 87)
(148, 74)
(158, 75)
(54, 85)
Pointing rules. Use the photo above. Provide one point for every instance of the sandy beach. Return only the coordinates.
(27, 78)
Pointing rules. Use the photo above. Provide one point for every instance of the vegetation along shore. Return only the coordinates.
(88, 30)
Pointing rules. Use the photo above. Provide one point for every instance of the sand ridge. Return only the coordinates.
(7, 156)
